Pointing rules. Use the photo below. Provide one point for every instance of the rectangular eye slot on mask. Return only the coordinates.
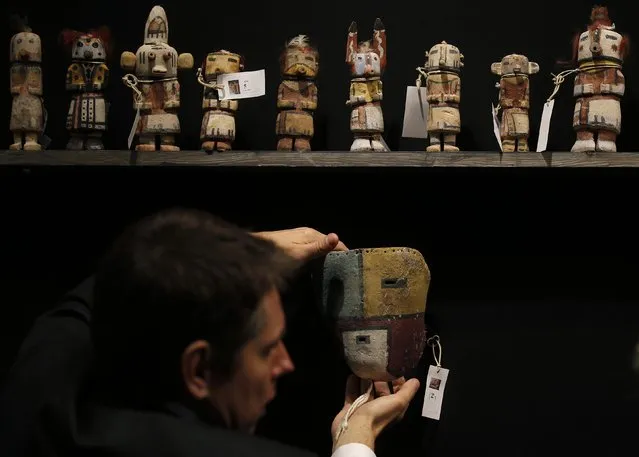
(363, 339)
(394, 283)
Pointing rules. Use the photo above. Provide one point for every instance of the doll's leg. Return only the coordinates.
(76, 142)
(361, 144)
(435, 142)
(449, 143)
(146, 143)
(606, 141)
(585, 142)
(301, 144)
(31, 142)
(167, 143)
(17, 141)
(522, 144)
(94, 141)
(285, 143)
(508, 144)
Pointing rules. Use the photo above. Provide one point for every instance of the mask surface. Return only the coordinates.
(376, 298)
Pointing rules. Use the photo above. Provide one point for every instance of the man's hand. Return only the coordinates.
(304, 243)
(367, 422)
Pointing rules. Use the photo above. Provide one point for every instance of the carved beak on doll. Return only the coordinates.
(159, 70)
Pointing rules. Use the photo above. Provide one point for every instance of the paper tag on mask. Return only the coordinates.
(434, 394)
(497, 127)
(135, 127)
(544, 127)
(244, 84)
(415, 113)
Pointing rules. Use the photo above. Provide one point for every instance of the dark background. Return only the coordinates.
(534, 270)
(484, 32)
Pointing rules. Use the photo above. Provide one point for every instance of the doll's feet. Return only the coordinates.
(302, 144)
(169, 148)
(15, 146)
(606, 146)
(584, 146)
(361, 144)
(32, 146)
(450, 148)
(75, 143)
(285, 144)
(145, 148)
(223, 146)
(94, 144)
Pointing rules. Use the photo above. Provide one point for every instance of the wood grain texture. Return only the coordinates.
(320, 159)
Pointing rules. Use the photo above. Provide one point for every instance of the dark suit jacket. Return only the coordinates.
(51, 365)
(45, 408)
(170, 432)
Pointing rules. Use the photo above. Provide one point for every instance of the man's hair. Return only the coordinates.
(173, 278)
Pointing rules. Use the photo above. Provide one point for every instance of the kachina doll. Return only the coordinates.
(297, 95)
(599, 84)
(514, 100)
(367, 61)
(218, 123)
(87, 78)
(441, 72)
(155, 84)
(27, 109)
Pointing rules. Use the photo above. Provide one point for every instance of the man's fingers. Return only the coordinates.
(408, 390)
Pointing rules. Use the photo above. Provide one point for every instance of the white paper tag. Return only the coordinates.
(496, 127)
(244, 84)
(434, 394)
(544, 126)
(415, 113)
(135, 126)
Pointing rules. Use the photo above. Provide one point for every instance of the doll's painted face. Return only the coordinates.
(88, 47)
(366, 61)
(444, 56)
(377, 300)
(25, 47)
(156, 60)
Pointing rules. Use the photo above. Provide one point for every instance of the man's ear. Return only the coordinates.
(195, 369)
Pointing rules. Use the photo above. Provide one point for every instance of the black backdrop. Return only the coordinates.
(534, 271)
(484, 31)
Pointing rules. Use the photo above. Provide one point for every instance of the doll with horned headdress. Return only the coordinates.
(367, 61)
(218, 122)
(599, 85)
(87, 79)
(27, 109)
(155, 84)
(297, 95)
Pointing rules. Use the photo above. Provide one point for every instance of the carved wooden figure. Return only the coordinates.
(155, 84)
(297, 95)
(443, 93)
(218, 123)
(599, 84)
(514, 100)
(376, 300)
(27, 110)
(367, 61)
(87, 78)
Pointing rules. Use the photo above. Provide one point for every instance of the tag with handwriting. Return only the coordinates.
(244, 84)
(497, 127)
(415, 113)
(544, 126)
(135, 126)
(434, 394)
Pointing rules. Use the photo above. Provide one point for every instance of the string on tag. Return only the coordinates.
(418, 82)
(203, 82)
(131, 81)
(436, 345)
(558, 79)
(356, 404)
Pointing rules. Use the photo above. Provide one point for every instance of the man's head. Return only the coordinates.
(187, 308)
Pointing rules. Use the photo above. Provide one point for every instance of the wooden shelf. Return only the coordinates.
(326, 159)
